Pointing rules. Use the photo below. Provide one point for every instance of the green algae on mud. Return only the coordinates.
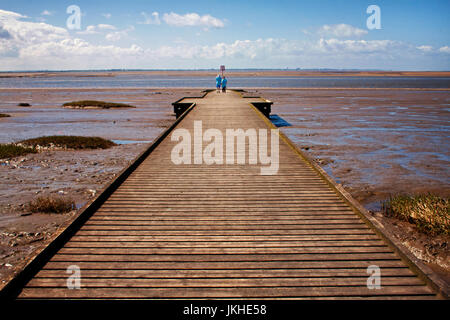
(68, 142)
(94, 104)
(429, 213)
(8, 151)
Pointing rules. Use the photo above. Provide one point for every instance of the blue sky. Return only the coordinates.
(414, 35)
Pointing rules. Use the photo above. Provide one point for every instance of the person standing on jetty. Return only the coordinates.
(224, 84)
(218, 82)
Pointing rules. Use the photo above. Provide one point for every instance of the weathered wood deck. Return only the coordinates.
(225, 231)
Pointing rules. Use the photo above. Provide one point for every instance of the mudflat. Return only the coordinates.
(375, 142)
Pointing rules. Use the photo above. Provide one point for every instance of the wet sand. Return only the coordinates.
(375, 142)
(79, 175)
(47, 117)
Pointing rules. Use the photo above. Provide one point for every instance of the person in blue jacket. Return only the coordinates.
(224, 84)
(218, 82)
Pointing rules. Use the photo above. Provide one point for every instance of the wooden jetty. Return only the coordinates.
(167, 231)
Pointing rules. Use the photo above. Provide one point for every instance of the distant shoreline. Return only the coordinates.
(231, 73)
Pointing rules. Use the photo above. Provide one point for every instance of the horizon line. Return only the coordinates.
(216, 69)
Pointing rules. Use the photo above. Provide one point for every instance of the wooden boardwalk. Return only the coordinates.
(225, 231)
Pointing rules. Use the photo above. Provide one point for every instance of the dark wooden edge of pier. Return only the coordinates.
(41, 256)
(180, 107)
(423, 271)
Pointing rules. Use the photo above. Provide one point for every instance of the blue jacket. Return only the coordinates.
(224, 82)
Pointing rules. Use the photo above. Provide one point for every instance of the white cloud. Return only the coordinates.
(107, 15)
(192, 19)
(425, 48)
(189, 19)
(267, 49)
(152, 19)
(117, 35)
(358, 46)
(9, 15)
(445, 49)
(32, 45)
(341, 31)
(46, 13)
(112, 34)
(4, 34)
(89, 30)
(97, 29)
(25, 32)
(105, 27)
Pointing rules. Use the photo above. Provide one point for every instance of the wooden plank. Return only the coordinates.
(226, 253)
(350, 240)
(223, 282)
(200, 217)
(234, 219)
(225, 206)
(216, 198)
(225, 273)
(255, 231)
(183, 293)
(282, 246)
(233, 224)
(226, 222)
(230, 211)
(218, 263)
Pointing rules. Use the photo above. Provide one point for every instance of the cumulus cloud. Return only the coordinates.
(25, 32)
(97, 29)
(186, 20)
(152, 19)
(32, 45)
(18, 34)
(9, 15)
(240, 49)
(432, 50)
(114, 36)
(341, 31)
(359, 46)
(117, 35)
(445, 49)
(266, 49)
(105, 27)
(4, 34)
(89, 30)
(425, 48)
(192, 19)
